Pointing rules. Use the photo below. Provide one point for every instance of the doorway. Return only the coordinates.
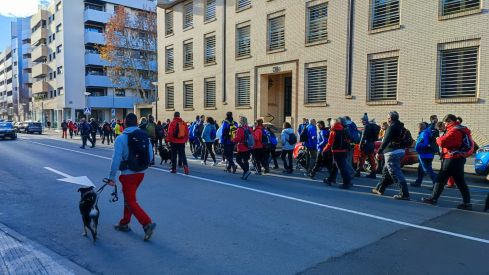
(279, 104)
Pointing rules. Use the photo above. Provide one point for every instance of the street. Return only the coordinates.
(211, 222)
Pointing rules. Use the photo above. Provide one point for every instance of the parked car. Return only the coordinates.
(481, 162)
(7, 130)
(410, 157)
(33, 127)
(20, 126)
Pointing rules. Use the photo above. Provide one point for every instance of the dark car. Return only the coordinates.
(7, 130)
(33, 127)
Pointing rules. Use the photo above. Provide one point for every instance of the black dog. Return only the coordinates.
(487, 203)
(89, 211)
(165, 153)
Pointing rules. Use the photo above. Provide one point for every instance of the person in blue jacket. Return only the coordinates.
(322, 138)
(302, 126)
(229, 127)
(311, 146)
(426, 154)
(209, 137)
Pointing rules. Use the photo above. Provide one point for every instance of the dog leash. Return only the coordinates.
(114, 194)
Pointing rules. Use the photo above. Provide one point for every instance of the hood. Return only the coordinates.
(338, 127)
(460, 127)
(130, 129)
(288, 131)
(177, 119)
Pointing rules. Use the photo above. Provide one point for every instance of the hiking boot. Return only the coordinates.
(465, 206)
(401, 197)
(377, 192)
(203, 163)
(429, 200)
(148, 231)
(173, 171)
(122, 227)
(328, 182)
(82, 147)
(186, 170)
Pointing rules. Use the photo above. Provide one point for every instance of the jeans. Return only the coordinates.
(392, 174)
(84, 140)
(452, 168)
(178, 149)
(273, 155)
(242, 158)
(311, 157)
(94, 138)
(341, 164)
(261, 159)
(229, 154)
(130, 184)
(209, 151)
(425, 167)
(287, 154)
(371, 158)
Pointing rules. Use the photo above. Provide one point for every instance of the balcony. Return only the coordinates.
(94, 37)
(95, 59)
(40, 15)
(39, 53)
(112, 102)
(41, 33)
(41, 86)
(39, 70)
(98, 81)
(97, 16)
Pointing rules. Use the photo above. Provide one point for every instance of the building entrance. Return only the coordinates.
(279, 99)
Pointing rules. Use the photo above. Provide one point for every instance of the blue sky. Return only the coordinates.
(5, 31)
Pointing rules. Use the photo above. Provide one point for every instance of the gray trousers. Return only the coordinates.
(392, 174)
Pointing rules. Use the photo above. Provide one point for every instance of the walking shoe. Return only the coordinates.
(429, 200)
(312, 175)
(345, 186)
(328, 182)
(173, 171)
(214, 164)
(186, 170)
(234, 169)
(401, 197)
(415, 184)
(82, 147)
(267, 171)
(464, 206)
(148, 231)
(357, 174)
(246, 175)
(203, 163)
(122, 227)
(377, 192)
(275, 167)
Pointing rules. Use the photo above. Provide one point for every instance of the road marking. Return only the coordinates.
(83, 180)
(57, 172)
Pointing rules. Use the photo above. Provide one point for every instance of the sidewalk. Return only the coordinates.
(19, 255)
(56, 134)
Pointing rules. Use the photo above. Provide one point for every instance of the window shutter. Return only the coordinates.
(385, 13)
(188, 95)
(456, 6)
(243, 4)
(169, 59)
(318, 23)
(210, 94)
(169, 23)
(170, 97)
(459, 72)
(188, 19)
(276, 33)
(383, 79)
(244, 41)
(243, 91)
(188, 58)
(316, 85)
(210, 10)
(210, 49)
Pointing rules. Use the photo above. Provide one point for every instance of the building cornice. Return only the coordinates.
(166, 4)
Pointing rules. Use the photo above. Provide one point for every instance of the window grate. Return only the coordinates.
(210, 93)
(457, 6)
(169, 60)
(243, 91)
(210, 50)
(459, 70)
(317, 27)
(316, 85)
(383, 79)
(241, 4)
(188, 95)
(188, 55)
(244, 42)
(385, 13)
(210, 10)
(169, 23)
(276, 33)
(188, 19)
(170, 97)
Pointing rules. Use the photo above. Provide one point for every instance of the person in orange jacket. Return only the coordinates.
(177, 137)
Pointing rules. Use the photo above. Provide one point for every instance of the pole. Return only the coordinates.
(42, 113)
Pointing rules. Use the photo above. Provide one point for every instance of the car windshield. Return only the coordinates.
(6, 125)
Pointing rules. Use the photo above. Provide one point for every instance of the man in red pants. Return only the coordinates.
(130, 179)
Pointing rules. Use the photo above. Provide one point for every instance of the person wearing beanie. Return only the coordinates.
(367, 146)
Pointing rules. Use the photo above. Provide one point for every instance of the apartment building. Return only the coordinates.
(69, 73)
(15, 77)
(287, 60)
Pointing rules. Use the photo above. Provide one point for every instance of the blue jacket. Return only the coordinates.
(323, 136)
(206, 134)
(225, 139)
(312, 137)
(422, 144)
(121, 152)
(285, 139)
(301, 127)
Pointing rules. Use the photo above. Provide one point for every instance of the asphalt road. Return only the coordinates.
(211, 222)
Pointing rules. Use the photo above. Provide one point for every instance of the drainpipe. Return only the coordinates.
(349, 55)
(224, 94)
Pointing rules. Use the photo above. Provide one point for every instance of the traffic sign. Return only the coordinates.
(87, 111)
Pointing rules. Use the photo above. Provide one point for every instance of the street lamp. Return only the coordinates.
(156, 99)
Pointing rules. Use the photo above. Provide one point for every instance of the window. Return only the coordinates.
(188, 55)
(316, 85)
(243, 43)
(243, 4)
(276, 33)
(317, 23)
(58, 6)
(120, 92)
(210, 49)
(60, 91)
(54, 36)
(59, 48)
(169, 60)
(385, 13)
(169, 23)
(458, 72)
(188, 95)
(169, 95)
(188, 18)
(457, 6)
(210, 93)
(242, 91)
(59, 27)
(383, 76)
(210, 10)
(60, 69)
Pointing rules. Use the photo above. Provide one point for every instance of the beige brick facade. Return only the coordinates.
(416, 43)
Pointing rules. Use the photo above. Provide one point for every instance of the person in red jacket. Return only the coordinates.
(177, 142)
(244, 150)
(339, 144)
(259, 150)
(453, 161)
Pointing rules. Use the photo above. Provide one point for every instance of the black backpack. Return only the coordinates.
(292, 139)
(342, 140)
(405, 139)
(304, 136)
(138, 159)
